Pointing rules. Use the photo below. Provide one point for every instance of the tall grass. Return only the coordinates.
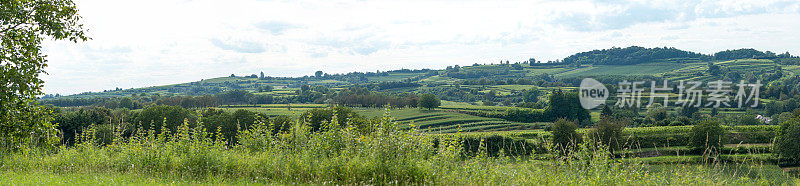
(342, 154)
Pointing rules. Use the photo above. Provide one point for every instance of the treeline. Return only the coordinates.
(472, 73)
(561, 105)
(539, 80)
(362, 97)
(156, 118)
(164, 118)
(387, 85)
(629, 55)
(749, 53)
(232, 97)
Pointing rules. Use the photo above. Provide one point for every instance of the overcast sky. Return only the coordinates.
(157, 42)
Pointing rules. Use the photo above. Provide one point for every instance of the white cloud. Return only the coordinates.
(156, 42)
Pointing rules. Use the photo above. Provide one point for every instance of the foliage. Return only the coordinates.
(608, 132)
(628, 56)
(164, 117)
(688, 111)
(229, 124)
(72, 123)
(385, 154)
(708, 136)
(565, 138)
(322, 119)
(25, 24)
(566, 105)
(531, 95)
(362, 97)
(745, 53)
(748, 119)
(429, 101)
(657, 115)
(786, 144)
(606, 112)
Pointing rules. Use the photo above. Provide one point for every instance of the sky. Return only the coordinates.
(159, 42)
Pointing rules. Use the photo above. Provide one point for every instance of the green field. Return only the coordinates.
(641, 69)
(473, 137)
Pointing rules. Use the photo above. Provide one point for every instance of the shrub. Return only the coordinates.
(565, 137)
(171, 116)
(281, 124)
(748, 120)
(707, 136)
(608, 131)
(524, 115)
(315, 118)
(229, 124)
(787, 144)
(71, 123)
(681, 121)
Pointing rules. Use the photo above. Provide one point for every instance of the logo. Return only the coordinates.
(592, 93)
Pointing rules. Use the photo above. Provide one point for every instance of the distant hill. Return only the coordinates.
(630, 55)
(647, 63)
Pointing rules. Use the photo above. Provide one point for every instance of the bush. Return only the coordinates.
(787, 144)
(524, 115)
(681, 121)
(608, 131)
(708, 136)
(315, 118)
(493, 145)
(171, 116)
(74, 122)
(229, 124)
(565, 137)
(748, 120)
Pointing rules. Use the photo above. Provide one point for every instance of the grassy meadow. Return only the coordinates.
(343, 155)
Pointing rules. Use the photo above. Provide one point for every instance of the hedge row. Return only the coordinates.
(526, 142)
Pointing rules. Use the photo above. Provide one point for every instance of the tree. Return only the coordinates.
(713, 69)
(531, 95)
(316, 118)
(261, 99)
(262, 75)
(748, 119)
(429, 101)
(127, 102)
(565, 136)
(265, 88)
(688, 110)
(786, 144)
(318, 73)
(608, 131)
(708, 136)
(606, 111)
(171, 116)
(566, 105)
(25, 23)
(657, 115)
(71, 123)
